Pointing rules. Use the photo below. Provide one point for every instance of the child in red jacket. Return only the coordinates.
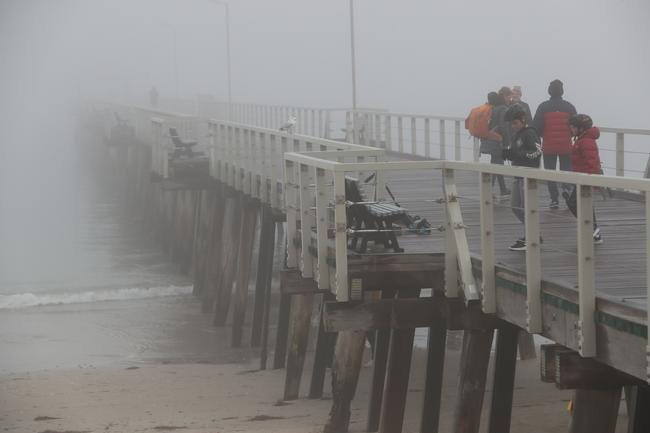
(584, 159)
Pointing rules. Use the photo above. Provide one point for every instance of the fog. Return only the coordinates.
(412, 56)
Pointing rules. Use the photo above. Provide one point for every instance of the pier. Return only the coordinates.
(319, 213)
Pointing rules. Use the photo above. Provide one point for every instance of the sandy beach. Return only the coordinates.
(211, 398)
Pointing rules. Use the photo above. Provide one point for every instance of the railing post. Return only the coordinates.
(457, 153)
(620, 154)
(451, 254)
(290, 193)
(388, 140)
(377, 135)
(400, 135)
(313, 122)
(443, 140)
(477, 149)
(328, 131)
(322, 226)
(427, 137)
(533, 258)
(341, 238)
(487, 245)
(459, 236)
(586, 273)
(414, 146)
(306, 222)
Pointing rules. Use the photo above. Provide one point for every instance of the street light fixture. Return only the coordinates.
(225, 4)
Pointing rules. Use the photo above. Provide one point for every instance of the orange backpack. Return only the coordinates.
(478, 123)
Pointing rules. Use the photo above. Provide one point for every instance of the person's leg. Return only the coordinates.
(550, 163)
(497, 158)
(572, 201)
(517, 203)
(517, 198)
(565, 165)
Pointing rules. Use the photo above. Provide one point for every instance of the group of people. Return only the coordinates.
(555, 134)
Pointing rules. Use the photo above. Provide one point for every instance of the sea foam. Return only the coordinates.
(23, 300)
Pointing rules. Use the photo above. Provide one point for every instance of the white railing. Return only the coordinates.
(457, 256)
(304, 177)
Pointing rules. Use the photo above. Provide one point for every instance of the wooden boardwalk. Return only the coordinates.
(620, 260)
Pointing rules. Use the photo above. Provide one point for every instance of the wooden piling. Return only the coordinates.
(268, 219)
(282, 332)
(474, 360)
(247, 238)
(213, 261)
(229, 262)
(638, 399)
(380, 361)
(301, 324)
(436, 346)
(505, 363)
(263, 257)
(348, 355)
(398, 370)
(323, 353)
(595, 410)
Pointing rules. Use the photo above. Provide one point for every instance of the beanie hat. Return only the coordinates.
(556, 88)
(493, 98)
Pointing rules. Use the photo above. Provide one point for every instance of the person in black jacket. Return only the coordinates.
(524, 151)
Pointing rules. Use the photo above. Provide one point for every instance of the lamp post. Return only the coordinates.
(354, 76)
(225, 4)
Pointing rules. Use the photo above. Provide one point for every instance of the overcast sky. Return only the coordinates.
(437, 57)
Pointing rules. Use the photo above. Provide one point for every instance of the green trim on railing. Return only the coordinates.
(622, 325)
(614, 322)
(515, 287)
(562, 304)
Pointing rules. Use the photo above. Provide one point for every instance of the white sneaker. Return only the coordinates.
(598, 239)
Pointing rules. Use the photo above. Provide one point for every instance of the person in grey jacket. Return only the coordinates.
(516, 99)
(492, 147)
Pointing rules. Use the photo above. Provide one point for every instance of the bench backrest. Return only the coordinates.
(176, 139)
(353, 190)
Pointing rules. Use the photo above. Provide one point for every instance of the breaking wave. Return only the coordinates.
(23, 300)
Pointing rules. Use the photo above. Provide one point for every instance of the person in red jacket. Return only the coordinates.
(551, 123)
(584, 159)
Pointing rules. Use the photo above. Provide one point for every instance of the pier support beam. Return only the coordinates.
(474, 360)
(301, 323)
(505, 364)
(345, 375)
(595, 410)
(380, 361)
(324, 352)
(264, 272)
(398, 368)
(213, 260)
(269, 222)
(436, 347)
(229, 262)
(247, 238)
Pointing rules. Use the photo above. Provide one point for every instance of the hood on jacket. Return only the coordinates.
(593, 133)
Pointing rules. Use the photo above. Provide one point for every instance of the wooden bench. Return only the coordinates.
(181, 147)
(371, 221)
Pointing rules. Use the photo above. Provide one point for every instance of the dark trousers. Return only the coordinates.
(496, 157)
(550, 163)
(572, 204)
